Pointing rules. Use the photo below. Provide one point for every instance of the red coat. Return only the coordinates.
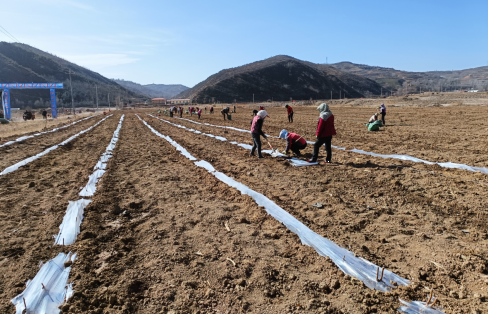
(289, 110)
(326, 128)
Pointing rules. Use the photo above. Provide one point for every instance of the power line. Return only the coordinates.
(10, 38)
(10, 34)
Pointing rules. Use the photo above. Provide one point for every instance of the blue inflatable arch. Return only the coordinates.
(8, 86)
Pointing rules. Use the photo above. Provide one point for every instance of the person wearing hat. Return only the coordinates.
(325, 131)
(294, 142)
(257, 132)
(289, 111)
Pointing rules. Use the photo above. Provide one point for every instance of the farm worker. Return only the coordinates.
(254, 112)
(294, 142)
(234, 108)
(261, 108)
(181, 112)
(199, 112)
(205, 109)
(257, 131)
(225, 111)
(374, 126)
(44, 114)
(373, 118)
(325, 131)
(383, 112)
(211, 109)
(289, 111)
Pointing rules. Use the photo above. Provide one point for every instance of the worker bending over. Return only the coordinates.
(373, 118)
(225, 111)
(294, 142)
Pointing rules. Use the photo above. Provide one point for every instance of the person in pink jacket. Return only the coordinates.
(325, 131)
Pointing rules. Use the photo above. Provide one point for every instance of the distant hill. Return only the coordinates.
(397, 80)
(280, 78)
(153, 90)
(20, 63)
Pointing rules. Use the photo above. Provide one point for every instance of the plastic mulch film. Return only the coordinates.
(70, 227)
(50, 149)
(23, 138)
(49, 288)
(418, 307)
(356, 267)
(359, 151)
(91, 187)
(178, 147)
(370, 274)
(346, 261)
(294, 161)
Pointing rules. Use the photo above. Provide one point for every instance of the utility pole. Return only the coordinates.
(253, 98)
(71, 87)
(330, 95)
(382, 92)
(108, 99)
(96, 92)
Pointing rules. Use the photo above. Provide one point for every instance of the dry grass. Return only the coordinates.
(20, 128)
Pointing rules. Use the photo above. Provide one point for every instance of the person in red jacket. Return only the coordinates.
(289, 110)
(294, 142)
(257, 132)
(325, 131)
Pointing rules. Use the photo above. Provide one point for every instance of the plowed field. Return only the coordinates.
(165, 236)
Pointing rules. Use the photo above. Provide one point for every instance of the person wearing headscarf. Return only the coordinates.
(294, 142)
(225, 111)
(383, 112)
(373, 118)
(325, 131)
(289, 111)
(257, 132)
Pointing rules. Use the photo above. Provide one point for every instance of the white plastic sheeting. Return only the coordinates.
(417, 307)
(294, 161)
(50, 149)
(350, 264)
(48, 289)
(393, 156)
(91, 187)
(23, 138)
(178, 147)
(70, 227)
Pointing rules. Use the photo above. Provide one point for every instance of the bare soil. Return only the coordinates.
(154, 239)
(19, 127)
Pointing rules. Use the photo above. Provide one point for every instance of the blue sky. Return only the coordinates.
(184, 42)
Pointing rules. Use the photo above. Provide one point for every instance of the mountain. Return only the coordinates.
(20, 63)
(153, 90)
(397, 80)
(280, 78)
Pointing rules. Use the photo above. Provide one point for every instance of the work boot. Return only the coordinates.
(261, 157)
(311, 160)
(297, 154)
(252, 155)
